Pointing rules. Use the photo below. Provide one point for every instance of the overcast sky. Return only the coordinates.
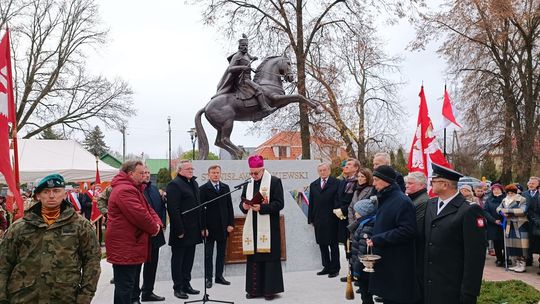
(173, 63)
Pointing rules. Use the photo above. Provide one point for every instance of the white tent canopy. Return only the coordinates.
(40, 157)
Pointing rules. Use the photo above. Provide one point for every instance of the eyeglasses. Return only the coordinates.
(255, 173)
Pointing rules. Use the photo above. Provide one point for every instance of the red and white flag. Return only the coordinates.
(449, 113)
(96, 191)
(7, 116)
(74, 200)
(425, 148)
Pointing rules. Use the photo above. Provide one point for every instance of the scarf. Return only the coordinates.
(50, 215)
(263, 221)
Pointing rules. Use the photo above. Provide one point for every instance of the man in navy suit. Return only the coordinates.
(323, 196)
(219, 222)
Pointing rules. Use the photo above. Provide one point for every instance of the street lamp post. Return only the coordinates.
(169, 123)
(193, 134)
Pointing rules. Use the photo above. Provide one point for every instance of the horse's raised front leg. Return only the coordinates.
(283, 100)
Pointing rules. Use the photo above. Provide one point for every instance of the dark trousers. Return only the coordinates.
(220, 257)
(126, 277)
(149, 272)
(498, 246)
(330, 257)
(363, 284)
(181, 264)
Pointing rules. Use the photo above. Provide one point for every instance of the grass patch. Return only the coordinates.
(508, 292)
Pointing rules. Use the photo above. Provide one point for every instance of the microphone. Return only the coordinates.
(247, 181)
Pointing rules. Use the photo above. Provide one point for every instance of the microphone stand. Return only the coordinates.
(206, 297)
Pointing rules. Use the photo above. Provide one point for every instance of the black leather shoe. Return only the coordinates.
(344, 279)
(152, 297)
(269, 297)
(190, 290)
(111, 281)
(208, 283)
(180, 294)
(222, 281)
(323, 272)
(335, 274)
(378, 299)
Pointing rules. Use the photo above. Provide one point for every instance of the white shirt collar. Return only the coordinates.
(445, 202)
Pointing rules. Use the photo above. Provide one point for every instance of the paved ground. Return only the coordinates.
(300, 287)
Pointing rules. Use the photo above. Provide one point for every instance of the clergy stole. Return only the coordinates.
(263, 221)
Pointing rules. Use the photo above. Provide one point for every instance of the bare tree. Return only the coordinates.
(51, 39)
(492, 48)
(299, 23)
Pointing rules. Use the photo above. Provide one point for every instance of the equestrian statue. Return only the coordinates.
(240, 98)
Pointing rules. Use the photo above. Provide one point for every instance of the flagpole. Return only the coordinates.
(444, 141)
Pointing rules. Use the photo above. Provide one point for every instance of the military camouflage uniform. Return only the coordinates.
(59, 263)
(103, 200)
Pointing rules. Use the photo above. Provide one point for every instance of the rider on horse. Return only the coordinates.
(237, 77)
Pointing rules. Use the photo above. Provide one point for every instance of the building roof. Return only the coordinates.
(111, 160)
(293, 141)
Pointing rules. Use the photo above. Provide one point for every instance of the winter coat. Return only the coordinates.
(363, 231)
(151, 193)
(364, 191)
(131, 222)
(182, 195)
(516, 230)
(393, 239)
(320, 214)
(533, 213)
(59, 263)
(345, 192)
(455, 252)
(494, 231)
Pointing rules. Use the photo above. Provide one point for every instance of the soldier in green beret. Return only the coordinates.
(51, 255)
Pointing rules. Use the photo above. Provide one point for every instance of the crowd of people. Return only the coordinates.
(421, 242)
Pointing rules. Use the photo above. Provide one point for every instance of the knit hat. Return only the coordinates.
(497, 186)
(468, 187)
(50, 181)
(364, 207)
(386, 173)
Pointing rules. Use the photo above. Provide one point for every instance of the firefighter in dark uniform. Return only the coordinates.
(455, 243)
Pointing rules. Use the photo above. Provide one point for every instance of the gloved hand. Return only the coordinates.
(339, 214)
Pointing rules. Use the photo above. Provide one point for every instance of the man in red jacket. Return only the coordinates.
(131, 222)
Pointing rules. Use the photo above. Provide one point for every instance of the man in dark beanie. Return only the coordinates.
(393, 239)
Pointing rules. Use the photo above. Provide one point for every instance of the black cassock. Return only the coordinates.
(263, 270)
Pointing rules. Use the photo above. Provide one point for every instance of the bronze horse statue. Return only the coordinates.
(224, 109)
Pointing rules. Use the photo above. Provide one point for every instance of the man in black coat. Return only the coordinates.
(322, 199)
(264, 276)
(219, 222)
(393, 239)
(455, 243)
(186, 233)
(157, 202)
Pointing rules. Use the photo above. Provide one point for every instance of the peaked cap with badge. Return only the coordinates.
(446, 173)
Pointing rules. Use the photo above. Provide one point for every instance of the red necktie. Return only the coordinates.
(323, 184)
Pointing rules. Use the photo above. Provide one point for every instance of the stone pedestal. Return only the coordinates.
(302, 252)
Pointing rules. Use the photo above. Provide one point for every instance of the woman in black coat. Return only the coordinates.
(494, 222)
